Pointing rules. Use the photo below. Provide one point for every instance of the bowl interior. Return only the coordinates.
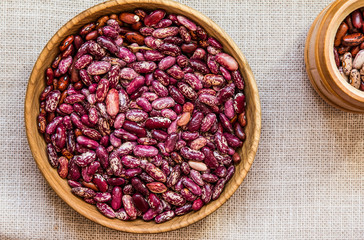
(37, 144)
(345, 10)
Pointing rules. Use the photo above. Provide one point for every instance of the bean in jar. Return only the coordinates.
(349, 49)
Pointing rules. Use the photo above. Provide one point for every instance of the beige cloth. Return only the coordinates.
(307, 181)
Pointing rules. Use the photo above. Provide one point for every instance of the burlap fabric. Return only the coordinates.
(307, 181)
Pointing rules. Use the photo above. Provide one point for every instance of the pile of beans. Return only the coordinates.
(349, 49)
(142, 113)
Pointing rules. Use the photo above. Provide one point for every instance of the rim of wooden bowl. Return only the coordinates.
(37, 143)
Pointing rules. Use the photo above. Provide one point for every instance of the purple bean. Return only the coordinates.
(165, 216)
(188, 195)
(143, 67)
(140, 203)
(159, 135)
(157, 123)
(192, 186)
(122, 215)
(196, 177)
(183, 210)
(102, 197)
(159, 89)
(217, 190)
(129, 206)
(155, 172)
(166, 63)
(174, 198)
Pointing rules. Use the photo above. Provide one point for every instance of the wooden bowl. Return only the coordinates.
(320, 62)
(37, 144)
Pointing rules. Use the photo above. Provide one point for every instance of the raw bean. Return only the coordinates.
(136, 115)
(210, 159)
(150, 214)
(129, 206)
(62, 167)
(106, 210)
(190, 154)
(227, 61)
(176, 94)
(139, 186)
(343, 29)
(174, 176)
(193, 81)
(199, 66)
(155, 173)
(174, 198)
(165, 32)
(83, 192)
(197, 204)
(239, 103)
(229, 109)
(162, 103)
(112, 102)
(189, 48)
(355, 78)
(236, 158)
(153, 201)
(183, 210)
(143, 66)
(208, 99)
(154, 17)
(217, 190)
(169, 49)
(157, 123)
(187, 194)
(152, 42)
(102, 197)
(165, 216)
(192, 186)
(134, 128)
(353, 39)
(100, 183)
(166, 63)
(206, 193)
(156, 187)
(122, 215)
(189, 136)
(199, 166)
(52, 100)
(239, 132)
(159, 89)
(169, 113)
(129, 18)
(175, 72)
(126, 55)
(196, 177)
(359, 60)
(347, 63)
(146, 31)
(85, 158)
(140, 203)
(187, 23)
(195, 122)
(230, 173)
(209, 177)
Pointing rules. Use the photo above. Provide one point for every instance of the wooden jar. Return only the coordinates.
(37, 144)
(319, 58)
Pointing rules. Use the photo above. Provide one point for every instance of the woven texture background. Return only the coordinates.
(307, 180)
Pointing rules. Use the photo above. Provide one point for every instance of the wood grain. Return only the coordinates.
(37, 144)
(319, 58)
